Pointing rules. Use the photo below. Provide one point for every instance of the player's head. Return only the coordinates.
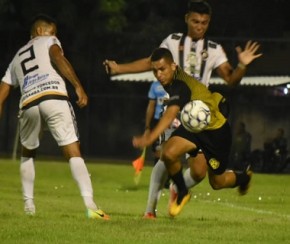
(197, 18)
(199, 6)
(43, 25)
(163, 65)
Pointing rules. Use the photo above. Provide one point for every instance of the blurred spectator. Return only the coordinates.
(280, 142)
(275, 152)
(241, 148)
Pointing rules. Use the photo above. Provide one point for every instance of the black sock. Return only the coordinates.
(155, 160)
(241, 178)
(179, 182)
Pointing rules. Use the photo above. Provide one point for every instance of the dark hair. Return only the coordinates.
(160, 53)
(199, 6)
(44, 18)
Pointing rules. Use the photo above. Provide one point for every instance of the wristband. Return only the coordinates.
(242, 66)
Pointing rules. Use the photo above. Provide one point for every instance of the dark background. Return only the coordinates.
(123, 30)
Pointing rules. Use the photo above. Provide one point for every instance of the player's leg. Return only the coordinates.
(217, 150)
(193, 175)
(61, 121)
(230, 179)
(158, 177)
(27, 175)
(30, 128)
(172, 152)
(197, 170)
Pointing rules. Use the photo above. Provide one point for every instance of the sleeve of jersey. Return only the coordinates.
(151, 93)
(221, 56)
(52, 41)
(8, 77)
(180, 94)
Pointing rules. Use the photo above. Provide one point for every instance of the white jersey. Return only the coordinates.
(214, 55)
(31, 69)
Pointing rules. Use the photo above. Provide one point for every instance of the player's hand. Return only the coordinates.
(111, 67)
(247, 55)
(82, 97)
(140, 141)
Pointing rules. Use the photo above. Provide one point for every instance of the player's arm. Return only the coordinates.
(245, 57)
(4, 92)
(149, 113)
(140, 65)
(165, 121)
(67, 71)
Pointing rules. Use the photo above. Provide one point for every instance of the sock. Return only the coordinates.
(27, 174)
(157, 180)
(181, 187)
(189, 181)
(81, 176)
(156, 160)
(241, 178)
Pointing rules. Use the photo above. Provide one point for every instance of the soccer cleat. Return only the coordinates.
(176, 208)
(97, 214)
(243, 188)
(172, 194)
(149, 215)
(29, 207)
(30, 211)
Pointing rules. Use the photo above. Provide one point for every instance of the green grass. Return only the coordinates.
(210, 217)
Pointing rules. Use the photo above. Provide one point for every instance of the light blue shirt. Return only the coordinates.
(157, 92)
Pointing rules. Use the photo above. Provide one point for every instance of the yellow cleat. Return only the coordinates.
(97, 214)
(175, 208)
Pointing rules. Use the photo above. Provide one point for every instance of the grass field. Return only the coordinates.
(262, 216)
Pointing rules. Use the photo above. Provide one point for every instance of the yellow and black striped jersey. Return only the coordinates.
(185, 88)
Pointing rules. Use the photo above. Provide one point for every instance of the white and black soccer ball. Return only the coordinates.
(195, 116)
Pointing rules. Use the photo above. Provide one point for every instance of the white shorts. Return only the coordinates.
(56, 115)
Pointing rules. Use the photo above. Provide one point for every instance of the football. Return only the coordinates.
(195, 116)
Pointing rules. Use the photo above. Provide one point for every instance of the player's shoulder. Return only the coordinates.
(213, 44)
(175, 36)
(50, 40)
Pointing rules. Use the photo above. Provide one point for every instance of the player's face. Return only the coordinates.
(197, 24)
(164, 71)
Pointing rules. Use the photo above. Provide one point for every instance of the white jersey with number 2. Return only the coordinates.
(32, 70)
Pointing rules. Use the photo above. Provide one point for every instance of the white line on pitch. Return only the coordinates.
(251, 209)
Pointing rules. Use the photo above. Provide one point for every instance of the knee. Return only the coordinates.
(168, 157)
(27, 152)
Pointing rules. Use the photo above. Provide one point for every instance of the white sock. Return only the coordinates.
(158, 178)
(81, 175)
(27, 175)
(189, 182)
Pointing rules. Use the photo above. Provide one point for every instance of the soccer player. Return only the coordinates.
(39, 69)
(198, 56)
(215, 140)
(156, 96)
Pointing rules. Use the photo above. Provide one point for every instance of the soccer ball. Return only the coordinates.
(195, 116)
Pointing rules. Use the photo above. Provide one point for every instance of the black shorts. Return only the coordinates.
(215, 144)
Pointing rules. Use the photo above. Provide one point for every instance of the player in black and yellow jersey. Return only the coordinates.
(215, 140)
